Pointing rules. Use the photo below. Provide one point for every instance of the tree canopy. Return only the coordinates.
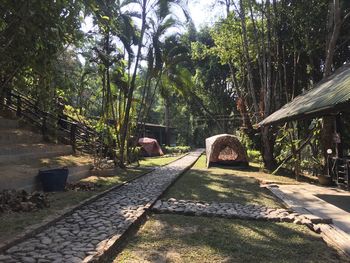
(139, 62)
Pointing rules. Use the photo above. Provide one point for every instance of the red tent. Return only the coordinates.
(150, 146)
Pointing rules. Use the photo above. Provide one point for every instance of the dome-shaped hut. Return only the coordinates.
(225, 149)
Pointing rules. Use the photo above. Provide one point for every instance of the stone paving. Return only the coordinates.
(91, 230)
(235, 210)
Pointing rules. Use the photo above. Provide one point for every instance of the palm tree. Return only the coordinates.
(155, 15)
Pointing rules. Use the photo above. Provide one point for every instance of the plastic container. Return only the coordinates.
(53, 180)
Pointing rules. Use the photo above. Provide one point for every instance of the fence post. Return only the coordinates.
(73, 130)
(19, 107)
(8, 98)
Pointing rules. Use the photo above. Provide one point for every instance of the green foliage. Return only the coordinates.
(32, 37)
(130, 67)
(254, 156)
(135, 154)
(176, 149)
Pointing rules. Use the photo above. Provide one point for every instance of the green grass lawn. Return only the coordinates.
(174, 238)
(221, 184)
(254, 171)
(158, 161)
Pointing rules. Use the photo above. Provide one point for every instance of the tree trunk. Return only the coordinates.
(247, 57)
(126, 120)
(167, 121)
(267, 149)
(328, 122)
(257, 44)
(336, 21)
(266, 136)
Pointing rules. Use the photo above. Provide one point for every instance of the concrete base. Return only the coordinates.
(28, 179)
(303, 198)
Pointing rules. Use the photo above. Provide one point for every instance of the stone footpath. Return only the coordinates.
(235, 210)
(87, 233)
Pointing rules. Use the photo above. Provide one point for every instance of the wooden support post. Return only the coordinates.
(73, 130)
(338, 131)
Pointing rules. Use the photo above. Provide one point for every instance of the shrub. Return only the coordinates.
(135, 154)
(176, 149)
(254, 156)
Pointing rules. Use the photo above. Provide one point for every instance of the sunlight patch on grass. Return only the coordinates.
(201, 163)
(66, 160)
(174, 238)
(120, 176)
(206, 185)
(254, 171)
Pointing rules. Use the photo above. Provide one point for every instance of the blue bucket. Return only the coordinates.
(53, 180)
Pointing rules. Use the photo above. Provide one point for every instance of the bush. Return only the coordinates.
(176, 149)
(254, 156)
(135, 154)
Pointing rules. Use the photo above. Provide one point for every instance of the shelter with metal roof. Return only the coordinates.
(164, 135)
(330, 97)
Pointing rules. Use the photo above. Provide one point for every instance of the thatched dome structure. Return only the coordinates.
(225, 149)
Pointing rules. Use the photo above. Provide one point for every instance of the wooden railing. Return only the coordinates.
(69, 131)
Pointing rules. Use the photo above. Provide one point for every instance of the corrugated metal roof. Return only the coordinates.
(328, 95)
(147, 124)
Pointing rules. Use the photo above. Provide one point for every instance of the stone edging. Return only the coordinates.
(51, 220)
(235, 210)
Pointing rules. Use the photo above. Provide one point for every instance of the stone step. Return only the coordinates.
(17, 136)
(8, 123)
(26, 177)
(23, 152)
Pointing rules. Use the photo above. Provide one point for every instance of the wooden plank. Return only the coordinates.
(336, 237)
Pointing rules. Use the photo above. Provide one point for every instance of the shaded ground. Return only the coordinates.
(222, 184)
(14, 223)
(343, 202)
(174, 238)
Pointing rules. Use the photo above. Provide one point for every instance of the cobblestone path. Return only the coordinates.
(85, 234)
